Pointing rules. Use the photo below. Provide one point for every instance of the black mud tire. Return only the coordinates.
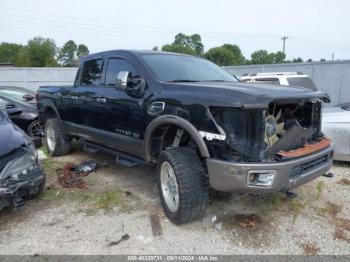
(62, 144)
(193, 184)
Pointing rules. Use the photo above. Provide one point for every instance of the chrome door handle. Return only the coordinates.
(101, 100)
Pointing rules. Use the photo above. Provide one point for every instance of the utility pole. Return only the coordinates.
(332, 56)
(284, 38)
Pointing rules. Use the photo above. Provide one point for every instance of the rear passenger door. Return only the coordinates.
(83, 113)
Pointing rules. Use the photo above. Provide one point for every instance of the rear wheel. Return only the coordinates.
(182, 185)
(58, 143)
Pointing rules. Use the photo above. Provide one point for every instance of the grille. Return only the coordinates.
(308, 166)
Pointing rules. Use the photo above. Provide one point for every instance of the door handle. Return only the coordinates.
(101, 100)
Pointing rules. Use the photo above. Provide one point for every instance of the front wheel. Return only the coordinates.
(182, 184)
(58, 143)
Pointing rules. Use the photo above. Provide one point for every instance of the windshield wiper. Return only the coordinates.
(216, 80)
(181, 80)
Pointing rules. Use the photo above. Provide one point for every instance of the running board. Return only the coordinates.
(121, 158)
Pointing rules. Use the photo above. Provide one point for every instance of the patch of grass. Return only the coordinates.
(296, 207)
(45, 150)
(90, 204)
(51, 194)
(276, 199)
(319, 187)
(46, 164)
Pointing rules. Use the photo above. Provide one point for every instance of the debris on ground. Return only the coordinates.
(343, 223)
(332, 209)
(155, 224)
(344, 182)
(248, 221)
(329, 175)
(128, 193)
(218, 226)
(86, 167)
(310, 248)
(123, 238)
(41, 155)
(209, 219)
(341, 235)
(72, 176)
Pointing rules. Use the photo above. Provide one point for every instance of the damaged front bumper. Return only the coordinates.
(274, 176)
(13, 192)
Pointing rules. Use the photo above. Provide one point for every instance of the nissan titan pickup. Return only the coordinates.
(195, 122)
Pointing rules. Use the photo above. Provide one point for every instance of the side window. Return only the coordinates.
(274, 81)
(91, 74)
(114, 66)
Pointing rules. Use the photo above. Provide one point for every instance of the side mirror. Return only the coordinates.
(28, 97)
(12, 109)
(122, 80)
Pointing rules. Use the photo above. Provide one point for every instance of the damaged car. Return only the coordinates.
(21, 176)
(193, 120)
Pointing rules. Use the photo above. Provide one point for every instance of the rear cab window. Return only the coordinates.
(273, 81)
(91, 72)
(302, 82)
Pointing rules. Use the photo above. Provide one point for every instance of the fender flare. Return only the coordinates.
(177, 121)
(50, 106)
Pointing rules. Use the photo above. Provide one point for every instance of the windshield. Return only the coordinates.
(180, 68)
(302, 82)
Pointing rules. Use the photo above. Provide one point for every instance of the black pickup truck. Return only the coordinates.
(196, 122)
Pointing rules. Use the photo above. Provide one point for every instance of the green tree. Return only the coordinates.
(225, 55)
(9, 52)
(71, 53)
(297, 60)
(264, 57)
(186, 44)
(82, 51)
(66, 55)
(261, 57)
(278, 57)
(39, 52)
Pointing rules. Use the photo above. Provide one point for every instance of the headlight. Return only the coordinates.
(20, 165)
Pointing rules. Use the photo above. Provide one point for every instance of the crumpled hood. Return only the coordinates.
(11, 137)
(248, 95)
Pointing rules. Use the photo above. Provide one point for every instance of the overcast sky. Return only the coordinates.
(315, 28)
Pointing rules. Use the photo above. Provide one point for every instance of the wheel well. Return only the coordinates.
(164, 136)
(49, 113)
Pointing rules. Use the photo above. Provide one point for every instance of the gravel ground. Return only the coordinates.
(119, 201)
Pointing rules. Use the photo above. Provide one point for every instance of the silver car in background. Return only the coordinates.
(336, 125)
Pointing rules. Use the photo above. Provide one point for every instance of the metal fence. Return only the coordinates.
(330, 77)
(33, 77)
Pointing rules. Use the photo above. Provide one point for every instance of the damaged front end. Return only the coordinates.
(267, 135)
(267, 150)
(21, 176)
